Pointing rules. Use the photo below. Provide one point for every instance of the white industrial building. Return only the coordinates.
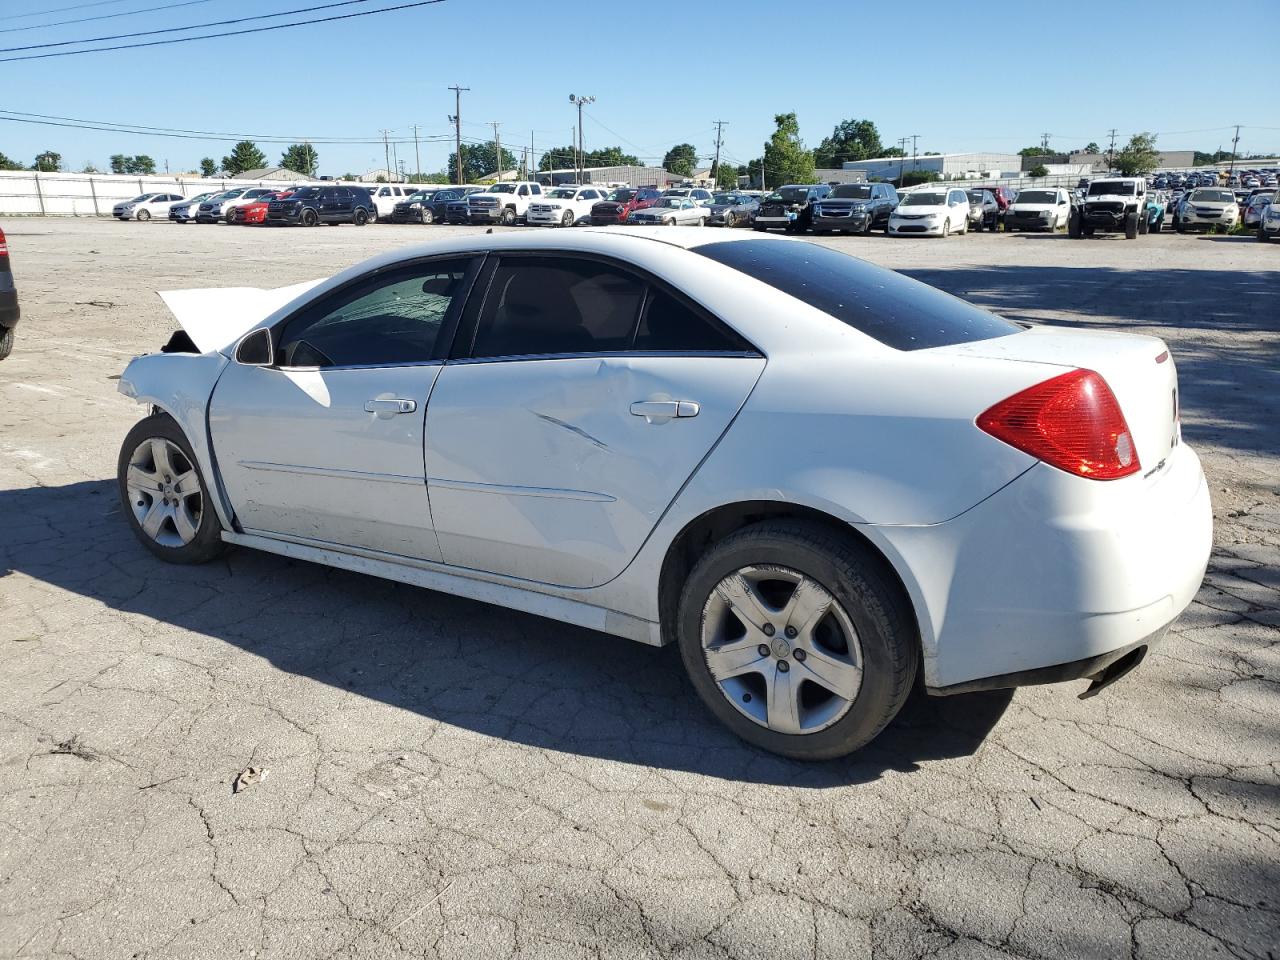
(950, 166)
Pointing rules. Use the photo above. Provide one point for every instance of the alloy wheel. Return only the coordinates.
(164, 492)
(781, 649)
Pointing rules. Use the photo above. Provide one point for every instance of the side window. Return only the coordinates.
(523, 191)
(550, 305)
(391, 319)
(537, 190)
(669, 325)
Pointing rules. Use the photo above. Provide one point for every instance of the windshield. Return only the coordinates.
(1037, 196)
(725, 199)
(793, 194)
(562, 194)
(306, 193)
(901, 313)
(142, 199)
(1213, 196)
(669, 202)
(621, 196)
(975, 196)
(852, 191)
(421, 195)
(924, 200)
(503, 188)
(1120, 188)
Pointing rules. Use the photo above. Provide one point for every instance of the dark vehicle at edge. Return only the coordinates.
(855, 208)
(9, 311)
(730, 209)
(984, 210)
(790, 207)
(309, 206)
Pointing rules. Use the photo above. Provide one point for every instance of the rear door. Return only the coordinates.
(582, 397)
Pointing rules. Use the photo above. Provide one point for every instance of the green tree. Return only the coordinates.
(785, 158)
(1039, 170)
(894, 152)
(1091, 147)
(119, 163)
(681, 159)
(611, 157)
(479, 161)
(301, 158)
(48, 162)
(850, 140)
(1139, 155)
(208, 167)
(142, 164)
(7, 164)
(557, 158)
(911, 177)
(727, 177)
(244, 156)
(1036, 151)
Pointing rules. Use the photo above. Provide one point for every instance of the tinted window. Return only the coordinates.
(895, 310)
(391, 319)
(668, 324)
(557, 305)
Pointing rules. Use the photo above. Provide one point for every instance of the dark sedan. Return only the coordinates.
(429, 206)
(732, 210)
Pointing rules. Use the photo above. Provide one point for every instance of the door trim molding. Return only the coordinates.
(511, 490)
(329, 472)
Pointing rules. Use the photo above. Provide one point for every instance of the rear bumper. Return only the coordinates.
(9, 312)
(1050, 577)
(850, 223)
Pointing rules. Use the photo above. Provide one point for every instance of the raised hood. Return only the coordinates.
(1139, 370)
(215, 318)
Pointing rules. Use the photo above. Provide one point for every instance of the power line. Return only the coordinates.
(193, 26)
(227, 33)
(74, 6)
(102, 16)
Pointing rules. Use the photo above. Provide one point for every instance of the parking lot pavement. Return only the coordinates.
(444, 778)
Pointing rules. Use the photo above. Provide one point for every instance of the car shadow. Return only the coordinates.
(483, 668)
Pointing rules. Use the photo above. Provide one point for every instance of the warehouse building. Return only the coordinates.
(949, 166)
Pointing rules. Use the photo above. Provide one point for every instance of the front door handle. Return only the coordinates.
(389, 407)
(660, 411)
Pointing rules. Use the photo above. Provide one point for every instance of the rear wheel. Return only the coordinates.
(1073, 225)
(6, 333)
(163, 494)
(797, 639)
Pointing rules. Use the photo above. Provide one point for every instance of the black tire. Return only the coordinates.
(1262, 238)
(567, 219)
(207, 542)
(6, 333)
(360, 217)
(729, 219)
(860, 581)
(1131, 226)
(1158, 225)
(980, 225)
(1144, 224)
(759, 228)
(1008, 226)
(310, 218)
(428, 216)
(1179, 226)
(866, 225)
(508, 216)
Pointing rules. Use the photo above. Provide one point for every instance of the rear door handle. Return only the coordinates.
(389, 407)
(663, 410)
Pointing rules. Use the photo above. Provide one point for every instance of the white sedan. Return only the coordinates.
(671, 212)
(937, 212)
(146, 206)
(818, 477)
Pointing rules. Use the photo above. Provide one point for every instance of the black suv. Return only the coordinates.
(428, 206)
(790, 206)
(855, 208)
(8, 300)
(332, 205)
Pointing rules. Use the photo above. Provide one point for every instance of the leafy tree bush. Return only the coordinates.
(785, 158)
(1039, 170)
(682, 159)
(244, 156)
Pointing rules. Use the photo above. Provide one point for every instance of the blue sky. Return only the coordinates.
(992, 79)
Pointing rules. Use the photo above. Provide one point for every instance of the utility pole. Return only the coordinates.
(902, 157)
(395, 161)
(1044, 142)
(386, 151)
(531, 154)
(456, 119)
(1111, 150)
(914, 163)
(1234, 141)
(497, 148)
(715, 164)
(581, 101)
(417, 160)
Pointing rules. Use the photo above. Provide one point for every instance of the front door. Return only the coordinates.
(326, 445)
(582, 399)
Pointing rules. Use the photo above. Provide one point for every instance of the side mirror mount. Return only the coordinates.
(255, 349)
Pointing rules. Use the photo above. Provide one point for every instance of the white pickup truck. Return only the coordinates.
(503, 203)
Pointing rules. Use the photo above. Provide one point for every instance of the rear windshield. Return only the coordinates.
(1037, 196)
(899, 312)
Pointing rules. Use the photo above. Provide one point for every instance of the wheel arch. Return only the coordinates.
(704, 531)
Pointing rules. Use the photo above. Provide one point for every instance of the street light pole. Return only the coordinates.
(579, 159)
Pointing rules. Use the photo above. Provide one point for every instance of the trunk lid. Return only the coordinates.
(1139, 370)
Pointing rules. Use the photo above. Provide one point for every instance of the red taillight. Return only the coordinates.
(4, 245)
(1071, 422)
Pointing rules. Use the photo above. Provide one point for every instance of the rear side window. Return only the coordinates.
(670, 326)
(895, 310)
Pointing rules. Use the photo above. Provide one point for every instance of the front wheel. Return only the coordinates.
(163, 494)
(144, 214)
(1262, 238)
(509, 217)
(1073, 225)
(6, 333)
(1131, 226)
(729, 220)
(567, 219)
(428, 216)
(310, 218)
(946, 228)
(798, 639)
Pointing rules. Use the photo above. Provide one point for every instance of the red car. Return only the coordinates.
(621, 203)
(256, 212)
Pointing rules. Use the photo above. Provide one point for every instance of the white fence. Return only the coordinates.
(24, 192)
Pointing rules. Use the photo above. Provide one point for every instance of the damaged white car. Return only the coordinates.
(816, 476)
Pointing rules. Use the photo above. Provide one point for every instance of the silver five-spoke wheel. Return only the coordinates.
(781, 649)
(164, 493)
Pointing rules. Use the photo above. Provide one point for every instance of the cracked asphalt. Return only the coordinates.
(449, 779)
